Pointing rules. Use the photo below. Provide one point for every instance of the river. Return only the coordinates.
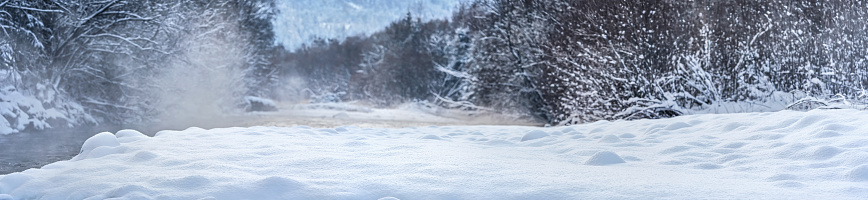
(25, 150)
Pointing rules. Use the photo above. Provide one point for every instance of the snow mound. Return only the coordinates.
(858, 174)
(604, 158)
(825, 152)
(97, 146)
(732, 156)
(533, 135)
(130, 133)
(12, 181)
(677, 125)
(610, 139)
(431, 137)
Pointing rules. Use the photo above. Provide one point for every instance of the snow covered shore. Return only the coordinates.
(820, 154)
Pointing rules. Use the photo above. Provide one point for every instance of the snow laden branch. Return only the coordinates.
(97, 12)
(130, 41)
(5, 4)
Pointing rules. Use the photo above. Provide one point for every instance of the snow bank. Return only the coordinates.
(820, 154)
(19, 112)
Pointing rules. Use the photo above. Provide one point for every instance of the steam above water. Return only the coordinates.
(203, 84)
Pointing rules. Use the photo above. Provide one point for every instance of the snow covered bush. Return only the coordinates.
(20, 112)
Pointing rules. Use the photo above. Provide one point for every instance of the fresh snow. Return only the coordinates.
(19, 112)
(820, 154)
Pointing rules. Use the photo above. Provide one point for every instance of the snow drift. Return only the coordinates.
(821, 154)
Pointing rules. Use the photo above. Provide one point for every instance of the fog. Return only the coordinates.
(204, 83)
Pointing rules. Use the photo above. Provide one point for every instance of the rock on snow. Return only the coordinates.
(733, 156)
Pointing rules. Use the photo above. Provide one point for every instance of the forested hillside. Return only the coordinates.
(571, 62)
(69, 63)
(301, 20)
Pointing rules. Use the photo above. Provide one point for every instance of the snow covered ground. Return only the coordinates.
(821, 154)
(333, 115)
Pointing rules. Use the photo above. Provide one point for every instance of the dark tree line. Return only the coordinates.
(392, 66)
(575, 61)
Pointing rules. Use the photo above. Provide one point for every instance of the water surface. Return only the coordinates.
(34, 149)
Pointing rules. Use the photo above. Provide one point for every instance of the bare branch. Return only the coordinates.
(129, 41)
(102, 103)
(33, 9)
(61, 6)
(125, 13)
(100, 11)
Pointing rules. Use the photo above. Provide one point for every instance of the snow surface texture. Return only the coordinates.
(301, 20)
(821, 154)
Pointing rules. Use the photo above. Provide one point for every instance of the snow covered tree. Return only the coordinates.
(451, 52)
(509, 56)
(102, 58)
(400, 67)
(84, 52)
(579, 61)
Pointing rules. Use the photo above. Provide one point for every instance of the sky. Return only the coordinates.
(301, 20)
